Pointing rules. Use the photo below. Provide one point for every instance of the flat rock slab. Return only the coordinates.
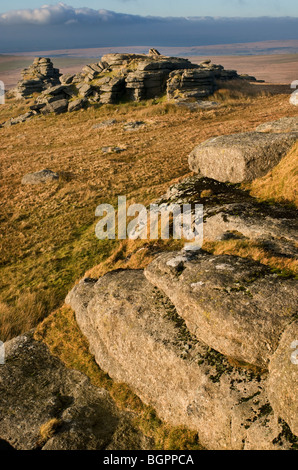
(287, 124)
(76, 105)
(196, 105)
(58, 107)
(283, 378)
(36, 388)
(43, 176)
(113, 149)
(234, 305)
(137, 337)
(229, 211)
(240, 157)
(105, 124)
(134, 126)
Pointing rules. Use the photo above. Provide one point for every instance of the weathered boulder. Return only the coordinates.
(43, 176)
(154, 52)
(283, 378)
(138, 338)
(240, 157)
(195, 105)
(56, 106)
(44, 405)
(67, 78)
(134, 126)
(85, 89)
(197, 84)
(233, 304)
(105, 124)
(287, 124)
(113, 149)
(76, 105)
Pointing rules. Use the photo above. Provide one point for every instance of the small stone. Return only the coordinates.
(43, 176)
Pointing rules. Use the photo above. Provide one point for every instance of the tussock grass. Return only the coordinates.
(48, 430)
(281, 183)
(241, 90)
(65, 340)
(26, 312)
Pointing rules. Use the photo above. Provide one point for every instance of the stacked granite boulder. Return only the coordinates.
(39, 76)
(220, 73)
(149, 79)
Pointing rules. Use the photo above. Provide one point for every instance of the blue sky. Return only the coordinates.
(226, 8)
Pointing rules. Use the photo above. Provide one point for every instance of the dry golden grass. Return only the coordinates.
(48, 430)
(280, 184)
(285, 266)
(47, 231)
(27, 311)
(133, 254)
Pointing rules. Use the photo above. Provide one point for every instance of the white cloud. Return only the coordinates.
(60, 14)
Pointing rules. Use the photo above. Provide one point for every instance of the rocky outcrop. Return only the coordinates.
(118, 77)
(240, 157)
(138, 337)
(45, 406)
(39, 76)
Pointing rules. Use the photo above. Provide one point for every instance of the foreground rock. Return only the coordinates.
(44, 405)
(235, 305)
(43, 176)
(240, 157)
(138, 338)
(283, 378)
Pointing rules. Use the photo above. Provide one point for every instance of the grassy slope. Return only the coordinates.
(48, 237)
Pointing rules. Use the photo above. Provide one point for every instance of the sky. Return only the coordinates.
(32, 26)
(246, 8)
